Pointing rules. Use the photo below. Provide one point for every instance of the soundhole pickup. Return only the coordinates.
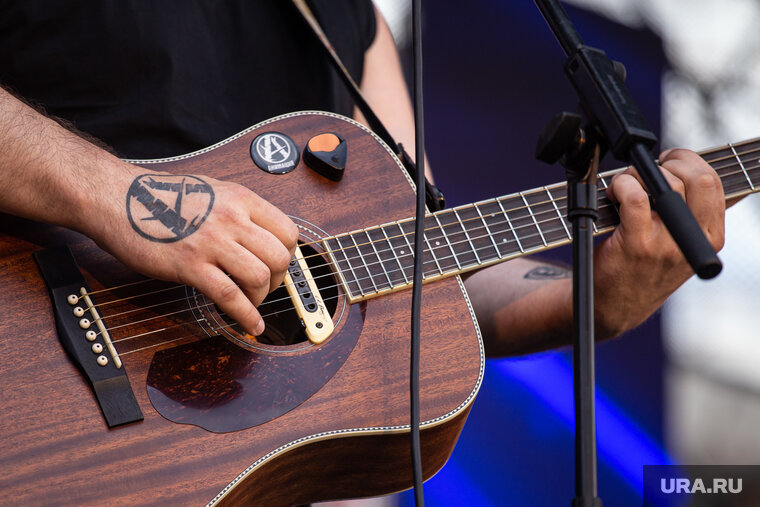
(307, 300)
(85, 337)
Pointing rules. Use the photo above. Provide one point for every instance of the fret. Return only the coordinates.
(441, 249)
(477, 231)
(431, 251)
(488, 231)
(718, 154)
(744, 170)
(340, 259)
(608, 211)
(530, 210)
(721, 158)
(750, 155)
(467, 235)
(364, 263)
(448, 242)
(545, 213)
(356, 264)
(402, 249)
(500, 230)
(511, 228)
(523, 222)
(377, 265)
(398, 261)
(559, 214)
(600, 192)
(428, 262)
(734, 177)
(464, 250)
(731, 175)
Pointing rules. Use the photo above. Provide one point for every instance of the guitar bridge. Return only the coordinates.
(85, 337)
(307, 300)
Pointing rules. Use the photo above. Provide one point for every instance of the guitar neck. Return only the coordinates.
(379, 259)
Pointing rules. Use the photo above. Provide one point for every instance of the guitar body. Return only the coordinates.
(345, 435)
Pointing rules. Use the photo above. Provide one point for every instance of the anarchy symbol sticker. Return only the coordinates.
(275, 152)
(167, 208)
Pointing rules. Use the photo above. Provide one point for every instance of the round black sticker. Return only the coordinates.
(275, 152)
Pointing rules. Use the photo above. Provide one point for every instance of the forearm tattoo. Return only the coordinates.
(166, 208)
(548, 272)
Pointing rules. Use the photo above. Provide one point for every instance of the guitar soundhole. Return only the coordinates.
(283, 326)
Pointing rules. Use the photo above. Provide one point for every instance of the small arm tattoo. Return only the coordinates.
(547, 272)
(166, 208)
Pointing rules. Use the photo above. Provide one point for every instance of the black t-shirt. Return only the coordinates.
(155, 78)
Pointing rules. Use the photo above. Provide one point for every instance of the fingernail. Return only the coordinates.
(259, 327)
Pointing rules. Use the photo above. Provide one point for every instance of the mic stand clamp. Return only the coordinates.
(579, 151)
(608, 104)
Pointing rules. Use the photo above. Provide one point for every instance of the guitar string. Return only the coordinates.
(606, 175)
(530, 206)
(442, 227)
(265, 303)
(121, 354)
(281, 311)
(380, 261)
(318, 242)
(432, 272)
(730, 156)
(217, 329)
(345, 249)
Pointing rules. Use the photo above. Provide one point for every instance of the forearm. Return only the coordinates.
(50, 174)
(522, 306)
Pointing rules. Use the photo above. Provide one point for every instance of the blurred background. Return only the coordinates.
(682, 388)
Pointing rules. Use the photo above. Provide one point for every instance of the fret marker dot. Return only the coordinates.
(402, 252)
(437, 243)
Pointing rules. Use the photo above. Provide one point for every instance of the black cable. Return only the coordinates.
(419, 225)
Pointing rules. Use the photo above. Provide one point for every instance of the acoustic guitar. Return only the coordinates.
(121, 390)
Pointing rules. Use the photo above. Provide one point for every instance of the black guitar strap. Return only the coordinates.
(433, 196)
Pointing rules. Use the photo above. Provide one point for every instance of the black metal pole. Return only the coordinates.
(579, 150)
(563, 29)
(582, 212)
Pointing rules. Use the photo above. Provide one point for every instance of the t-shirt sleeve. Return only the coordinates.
(366, 21)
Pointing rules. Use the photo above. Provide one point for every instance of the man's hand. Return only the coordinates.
(524, 309)
(640, 265)
(217, 236)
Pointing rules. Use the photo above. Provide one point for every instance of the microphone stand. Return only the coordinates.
(615, 124)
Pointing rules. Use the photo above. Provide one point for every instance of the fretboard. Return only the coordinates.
(380, 259)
